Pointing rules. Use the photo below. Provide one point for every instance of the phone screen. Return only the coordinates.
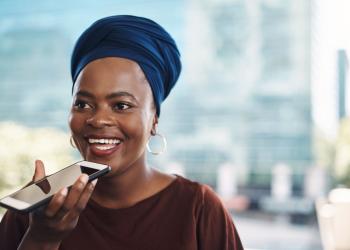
(52, 184)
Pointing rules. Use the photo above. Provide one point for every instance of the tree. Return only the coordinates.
(19, 148)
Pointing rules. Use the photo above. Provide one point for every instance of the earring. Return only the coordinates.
(72, 143)
(164, 142)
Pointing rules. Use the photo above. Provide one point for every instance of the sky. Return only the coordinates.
(330, 32)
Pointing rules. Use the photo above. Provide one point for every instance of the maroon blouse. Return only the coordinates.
(185, 215)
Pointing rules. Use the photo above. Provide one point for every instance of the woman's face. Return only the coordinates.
(112, 113)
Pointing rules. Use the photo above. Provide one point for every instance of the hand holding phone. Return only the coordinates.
(39, 193)
(48, 226)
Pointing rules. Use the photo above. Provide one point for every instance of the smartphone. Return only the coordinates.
(39, 193)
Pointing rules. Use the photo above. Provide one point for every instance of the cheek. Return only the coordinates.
(75, 123)
(136, 128)
(70, 117)
(140, 127)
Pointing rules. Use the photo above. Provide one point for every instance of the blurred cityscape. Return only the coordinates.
(241, 118)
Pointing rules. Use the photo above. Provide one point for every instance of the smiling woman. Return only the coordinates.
(123, 67)
(113, 113)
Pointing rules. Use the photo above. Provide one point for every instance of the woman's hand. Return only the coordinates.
(48, 226)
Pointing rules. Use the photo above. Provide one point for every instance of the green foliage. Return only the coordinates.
(21, 146)
(342, 156)
(323, 150)
(344, 179)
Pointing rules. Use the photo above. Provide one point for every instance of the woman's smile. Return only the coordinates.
(101, 146)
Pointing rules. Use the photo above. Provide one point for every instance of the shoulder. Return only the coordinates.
(190, 187)
(199, 198)
(203, 193)
(215, 227)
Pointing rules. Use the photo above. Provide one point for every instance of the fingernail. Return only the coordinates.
(94, 182)
(64, 192)
(84, 178)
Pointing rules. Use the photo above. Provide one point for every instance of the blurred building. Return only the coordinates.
(248, 95)
(35, 58)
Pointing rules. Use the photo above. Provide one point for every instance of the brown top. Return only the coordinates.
(184, 216)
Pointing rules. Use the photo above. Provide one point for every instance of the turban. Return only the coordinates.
(135, 38)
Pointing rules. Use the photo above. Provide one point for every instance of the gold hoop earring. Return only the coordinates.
(164, 142)
(72, 143)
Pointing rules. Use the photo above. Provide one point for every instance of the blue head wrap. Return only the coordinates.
(135, 38)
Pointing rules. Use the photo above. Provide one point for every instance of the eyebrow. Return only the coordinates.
(110, 96)
(84, 93)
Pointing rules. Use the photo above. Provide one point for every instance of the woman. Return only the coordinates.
(122, 68)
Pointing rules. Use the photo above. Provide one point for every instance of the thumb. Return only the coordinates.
(39, 172)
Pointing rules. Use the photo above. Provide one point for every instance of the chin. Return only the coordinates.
(99, 160)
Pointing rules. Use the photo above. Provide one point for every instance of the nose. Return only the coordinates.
(100, 118)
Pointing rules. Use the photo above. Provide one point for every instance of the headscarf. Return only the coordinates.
(136, 38)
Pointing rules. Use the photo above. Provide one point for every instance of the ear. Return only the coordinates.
(154, 125)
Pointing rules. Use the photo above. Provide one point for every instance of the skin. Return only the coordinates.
(111, 99)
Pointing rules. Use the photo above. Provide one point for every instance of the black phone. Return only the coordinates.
(39, 193)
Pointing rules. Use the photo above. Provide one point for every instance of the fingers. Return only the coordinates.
(56, 202)
(81, 204)
(61, 205)
(75, 192)
(39, 172)
(62, 213)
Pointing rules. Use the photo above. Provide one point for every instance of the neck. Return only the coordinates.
(125, 189)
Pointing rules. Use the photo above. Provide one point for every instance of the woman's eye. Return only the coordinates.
(122, 106)
(81, 105)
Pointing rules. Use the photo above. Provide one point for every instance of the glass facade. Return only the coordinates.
(248, 81)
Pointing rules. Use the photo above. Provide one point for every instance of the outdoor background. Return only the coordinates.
(259, 112)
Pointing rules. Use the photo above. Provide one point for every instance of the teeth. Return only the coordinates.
(104, 141)
(105, 147)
